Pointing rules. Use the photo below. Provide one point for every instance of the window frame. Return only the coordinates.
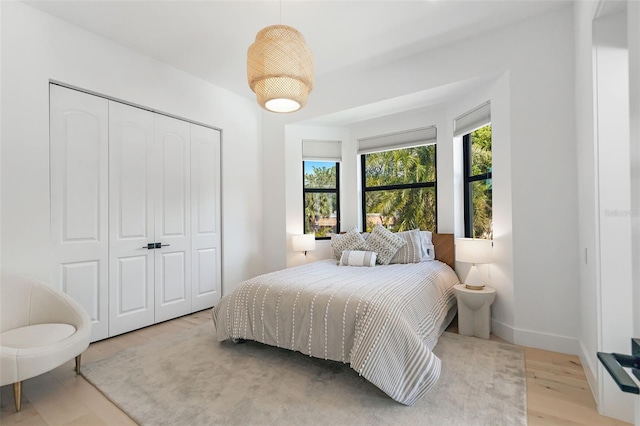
(468, 179)
(335, 190)
(392, 187)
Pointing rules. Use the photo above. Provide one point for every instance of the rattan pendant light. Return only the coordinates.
(280, 69)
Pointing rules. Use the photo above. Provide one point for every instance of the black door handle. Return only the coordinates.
(615, 363)
(152, 246)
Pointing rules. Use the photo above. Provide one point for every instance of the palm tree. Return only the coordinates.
(402, 208)
(319, 205)
(481, 190)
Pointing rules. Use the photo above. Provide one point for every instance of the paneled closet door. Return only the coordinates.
(172, 218)
(79, 197)
(131, 218)
(205, 217)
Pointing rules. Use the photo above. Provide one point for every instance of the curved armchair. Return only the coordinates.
(41, 328)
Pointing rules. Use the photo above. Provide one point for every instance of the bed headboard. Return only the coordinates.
(443, 244)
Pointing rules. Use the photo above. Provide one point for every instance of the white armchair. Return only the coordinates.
(41, 328)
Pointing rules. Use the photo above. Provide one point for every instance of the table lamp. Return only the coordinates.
(474, 251)
(303, 242)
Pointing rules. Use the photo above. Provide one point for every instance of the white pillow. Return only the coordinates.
(428, 250)
(352, 240)
(385, 243)
(357, 258)
(411, 252)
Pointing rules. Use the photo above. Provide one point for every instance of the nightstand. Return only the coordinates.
(474, 310)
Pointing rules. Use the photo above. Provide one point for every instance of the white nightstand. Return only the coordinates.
(474, 310)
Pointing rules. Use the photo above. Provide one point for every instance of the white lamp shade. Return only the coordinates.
(304, 242)
(474, 250)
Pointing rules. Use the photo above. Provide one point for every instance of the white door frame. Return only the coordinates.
(616, 250)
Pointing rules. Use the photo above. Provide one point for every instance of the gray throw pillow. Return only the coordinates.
(385, 243)
(352, 240)
(411, 252)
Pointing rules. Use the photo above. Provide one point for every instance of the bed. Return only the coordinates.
(383, 320)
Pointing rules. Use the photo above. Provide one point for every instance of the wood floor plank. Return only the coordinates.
(99, 405)
(557, 389)
(54, 405)
(8, 417)
(89, 420)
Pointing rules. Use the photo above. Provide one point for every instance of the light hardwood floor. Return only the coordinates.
(557, 390)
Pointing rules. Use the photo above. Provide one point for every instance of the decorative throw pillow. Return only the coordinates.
(411, 252)
(352, 240)
(384, 243)
(428, 251)
(357, 258)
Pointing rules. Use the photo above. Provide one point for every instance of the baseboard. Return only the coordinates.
(547, 341)
(590, 371)
(535, 339)
(502, 330)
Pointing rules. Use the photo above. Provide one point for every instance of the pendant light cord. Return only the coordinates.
(280, 12)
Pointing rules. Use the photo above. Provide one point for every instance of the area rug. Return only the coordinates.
(192, 379)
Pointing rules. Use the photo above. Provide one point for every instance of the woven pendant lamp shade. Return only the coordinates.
(280, 69)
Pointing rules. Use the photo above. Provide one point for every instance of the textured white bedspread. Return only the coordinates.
(382, 320)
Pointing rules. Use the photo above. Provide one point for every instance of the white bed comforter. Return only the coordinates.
(383, 320)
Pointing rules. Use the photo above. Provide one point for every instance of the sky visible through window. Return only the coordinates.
(309, 165)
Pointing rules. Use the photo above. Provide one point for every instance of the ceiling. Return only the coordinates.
(209, 39)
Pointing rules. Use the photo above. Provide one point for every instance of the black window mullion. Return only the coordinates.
(435, 188)
(363, 171)
(483, 176)
(401, 186)
(320, 190)
(468, 207)
(337, 199)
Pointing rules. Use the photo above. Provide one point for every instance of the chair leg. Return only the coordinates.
(78, 360)
(17, 394)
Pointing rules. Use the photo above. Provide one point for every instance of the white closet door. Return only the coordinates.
(131, 219)
(172, 218)
(79, 197)
(205, 217)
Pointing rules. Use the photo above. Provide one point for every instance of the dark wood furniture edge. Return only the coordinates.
(445, 250)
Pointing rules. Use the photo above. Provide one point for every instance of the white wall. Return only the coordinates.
(544, 193)
(499, 274)
(36, 48)
(540, 163)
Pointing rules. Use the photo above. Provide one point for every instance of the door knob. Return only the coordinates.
(158, 245)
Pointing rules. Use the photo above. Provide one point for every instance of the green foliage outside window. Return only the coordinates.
(480, 212)
(322, 176)
(320, 198)
(400, 188)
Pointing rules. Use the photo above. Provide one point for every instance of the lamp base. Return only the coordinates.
(474, 280)
(474, 287)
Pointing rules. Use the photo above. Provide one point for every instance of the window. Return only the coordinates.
(321, 194)
(478, 218)
(399, 188)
